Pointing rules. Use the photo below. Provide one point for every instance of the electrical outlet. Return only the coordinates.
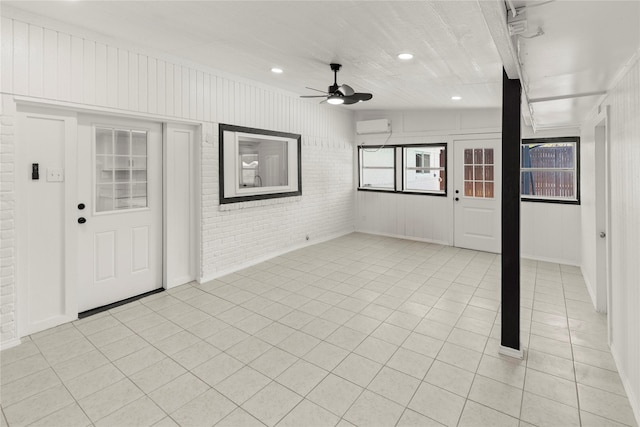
(55, 175)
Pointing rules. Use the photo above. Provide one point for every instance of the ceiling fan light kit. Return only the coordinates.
(339, 94)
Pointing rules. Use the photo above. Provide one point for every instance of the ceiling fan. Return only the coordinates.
(343, 94)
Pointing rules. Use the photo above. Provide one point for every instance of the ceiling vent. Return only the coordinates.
(367, 127)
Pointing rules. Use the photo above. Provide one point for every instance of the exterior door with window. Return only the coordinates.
(477, 189)
(119, 210)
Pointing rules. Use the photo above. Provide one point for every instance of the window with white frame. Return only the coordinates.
(377, 168)
(550, 170)
(425, 168)
(121, 169)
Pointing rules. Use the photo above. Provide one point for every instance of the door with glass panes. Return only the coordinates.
(119, 210)
(477, 189)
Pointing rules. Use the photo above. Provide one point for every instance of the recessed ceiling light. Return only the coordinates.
(277, 70)
(456, 98)
(405, 56)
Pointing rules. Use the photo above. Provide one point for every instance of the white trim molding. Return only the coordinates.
(511, 352)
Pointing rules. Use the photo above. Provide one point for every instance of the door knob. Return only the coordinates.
(457, 191)
(80, 206)
(603, 234)
(456, 199)
(82, 220)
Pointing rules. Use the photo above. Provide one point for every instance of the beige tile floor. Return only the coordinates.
(362, 330)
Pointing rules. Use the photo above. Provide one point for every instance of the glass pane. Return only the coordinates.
(378, 178)
(378, 157)
(488, 190)
(139, 175)
(426, 180)
(104, 197)
(468, 188)
(478, 173)
(558, 155)
(424, 156)
(104, 141)
(138, 163)
(488, 156)
(139, 168)
(488, 173)
(468, 156)
(123, 142)
(127, 171)
(139, 143)
(477, 156)
(139, 196)
(551, 184)
(122, 162)
(262, 163)
(468, 172)
(122, 175)
(478, 190)
(104, 172)
(122, 196)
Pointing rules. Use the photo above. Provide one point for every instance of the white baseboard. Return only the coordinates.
(11, 343)
(552, 260)
(589, 289)
(511, 352)
(269, 256)
(179, 282)
(632, 395)
(400, 236)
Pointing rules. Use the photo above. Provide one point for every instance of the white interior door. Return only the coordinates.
(120, 225)
(477, 189)
(602, 217)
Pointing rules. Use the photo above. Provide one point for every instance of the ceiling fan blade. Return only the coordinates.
(317, 90)
(357, 97)
(362, 96)
(346, 90)
(313, 96)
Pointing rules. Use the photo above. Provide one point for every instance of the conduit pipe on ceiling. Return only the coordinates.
(514, 12)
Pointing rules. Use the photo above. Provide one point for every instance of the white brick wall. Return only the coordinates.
(7, 226)
(234, 235)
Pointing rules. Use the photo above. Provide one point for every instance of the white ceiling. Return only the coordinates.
(584, 44)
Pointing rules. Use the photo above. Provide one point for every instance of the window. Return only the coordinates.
(377, 168)
(422, 160)
(258, 164)
(121, 169)
(412, 169)
(478, 172)
(550, 170)
(424, 168)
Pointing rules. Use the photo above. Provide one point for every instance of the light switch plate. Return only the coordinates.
(55, 175)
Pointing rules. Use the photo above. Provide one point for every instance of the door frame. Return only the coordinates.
(70, 111)
(603, 215)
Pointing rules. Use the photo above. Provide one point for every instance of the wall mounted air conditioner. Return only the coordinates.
(366, 127)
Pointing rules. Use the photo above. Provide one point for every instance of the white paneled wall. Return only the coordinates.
(53, 66)
(624, 146)
(549, 232)
(416, 216)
